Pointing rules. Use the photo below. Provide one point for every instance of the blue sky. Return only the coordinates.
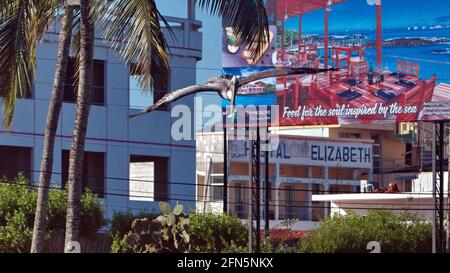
(358, 15)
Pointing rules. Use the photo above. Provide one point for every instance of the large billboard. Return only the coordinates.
(411, 83)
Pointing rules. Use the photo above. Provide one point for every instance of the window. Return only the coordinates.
(334, 189)
(376, 154)
(98, 82)
(408, 185)
(239, 203)
(14, 160)
(149, 178)
(93, 171)
(408, 155)
(349, 135)
(316, 189)
(216, 189)
(216, 193)
(141, 98)
(289, 201)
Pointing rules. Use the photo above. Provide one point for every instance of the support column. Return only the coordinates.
(370, 175)
(191, 9)
(309, 202)
(325, 40)
(379, 42)
(225, 170)
(276, 197)
(282, 40)
(267, 184)
(300, 25)
(326, 187)
(309, 199)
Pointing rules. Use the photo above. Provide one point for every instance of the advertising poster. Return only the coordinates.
(392, 60)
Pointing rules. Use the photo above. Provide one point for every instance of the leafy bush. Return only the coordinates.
(351, 233)
(121, 221)
(206, 232)
(17, 208)
(166, 233)
(217, 233)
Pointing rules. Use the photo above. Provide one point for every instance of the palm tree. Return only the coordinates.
(54, 108)
(22, 24)
(76, 156)
(133, 27)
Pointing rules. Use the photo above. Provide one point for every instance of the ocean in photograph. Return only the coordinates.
(430, 48)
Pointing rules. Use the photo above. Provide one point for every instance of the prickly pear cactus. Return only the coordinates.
(167, 233)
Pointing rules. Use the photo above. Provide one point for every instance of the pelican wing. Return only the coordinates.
(278, 72)
(176, 95)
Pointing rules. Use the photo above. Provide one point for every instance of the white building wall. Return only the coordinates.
(109, 131)
(424, 182)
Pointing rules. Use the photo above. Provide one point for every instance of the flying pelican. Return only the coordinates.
(227, 85)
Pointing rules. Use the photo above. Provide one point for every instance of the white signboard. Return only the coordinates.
(142, 181)
(312, 153)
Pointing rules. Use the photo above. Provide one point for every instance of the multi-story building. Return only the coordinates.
(299, 167)
(130, 164)
(298, 171)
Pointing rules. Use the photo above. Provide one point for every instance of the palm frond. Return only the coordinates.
(16, 55)
(248, 18)
(22, 24)
(134, 30)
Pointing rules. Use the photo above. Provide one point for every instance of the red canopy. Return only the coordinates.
(293, 8)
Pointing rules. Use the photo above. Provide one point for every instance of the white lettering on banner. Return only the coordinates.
(312, 152)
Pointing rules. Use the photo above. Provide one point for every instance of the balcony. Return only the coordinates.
(187, 39)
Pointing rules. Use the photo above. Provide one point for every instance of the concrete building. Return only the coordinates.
(307, 187)
(299, 167)
(129, 163)
(396, 146)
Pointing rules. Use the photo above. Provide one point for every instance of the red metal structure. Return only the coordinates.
(290, 8)
(379, 35)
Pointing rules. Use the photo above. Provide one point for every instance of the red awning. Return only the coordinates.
(293, 8)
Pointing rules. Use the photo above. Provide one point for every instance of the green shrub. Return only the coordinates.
(120, 225)
(207, 233)
(217, 233)
(351, 233)
(17, 209)
(121, 221)
(167, 233)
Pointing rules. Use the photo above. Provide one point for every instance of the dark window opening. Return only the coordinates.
(98, 82)
(93, 171)
(349, 135)
(15, 160)
(216, 193)
(376, 154)
(216, 189)
(149, 178)
(408, 156)
(239, 197)
(289, 201)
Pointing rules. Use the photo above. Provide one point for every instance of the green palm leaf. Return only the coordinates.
(22, 24)
(248, 18)
(133, 27)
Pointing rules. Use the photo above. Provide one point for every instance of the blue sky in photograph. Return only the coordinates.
(358, 15)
